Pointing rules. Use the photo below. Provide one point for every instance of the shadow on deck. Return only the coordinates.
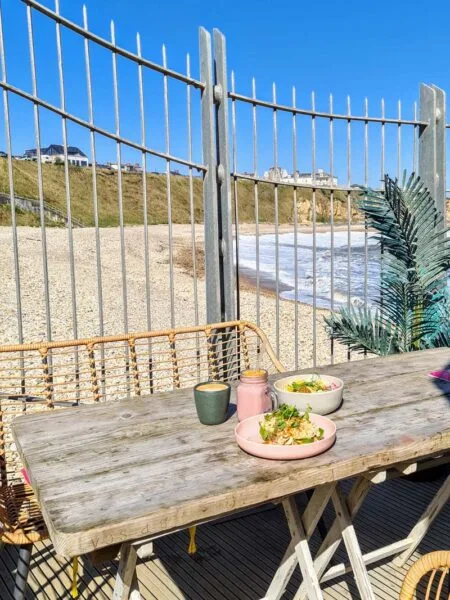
(237, 559)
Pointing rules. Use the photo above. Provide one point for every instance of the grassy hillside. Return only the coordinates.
(25, 182)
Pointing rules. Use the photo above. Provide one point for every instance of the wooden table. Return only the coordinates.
(142, 468)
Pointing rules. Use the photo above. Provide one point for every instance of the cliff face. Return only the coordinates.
(324, 203)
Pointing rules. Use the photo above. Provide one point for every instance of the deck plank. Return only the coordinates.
(237, 558)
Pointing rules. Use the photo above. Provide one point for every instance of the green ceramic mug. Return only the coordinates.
(212, 399)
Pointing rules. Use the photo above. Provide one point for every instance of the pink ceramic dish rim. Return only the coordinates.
(279, 452)
(341, 385)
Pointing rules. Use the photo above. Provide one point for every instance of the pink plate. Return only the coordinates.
(248, 438)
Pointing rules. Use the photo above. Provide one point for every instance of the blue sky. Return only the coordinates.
(364, 49)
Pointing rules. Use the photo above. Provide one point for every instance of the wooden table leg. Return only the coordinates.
(331, 543)
(302, 550)
(351, 543)
(126, 580)
(311, 515)
(135, 593)
(419, 531)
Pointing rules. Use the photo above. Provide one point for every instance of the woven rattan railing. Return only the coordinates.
(64, 373)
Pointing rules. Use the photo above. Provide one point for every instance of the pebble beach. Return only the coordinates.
(86, 289)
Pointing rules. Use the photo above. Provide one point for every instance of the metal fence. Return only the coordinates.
(421, 150)
(195, 92)
(225, 131)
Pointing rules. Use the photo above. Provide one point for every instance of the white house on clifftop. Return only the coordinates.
(55, 154)
(319, 178)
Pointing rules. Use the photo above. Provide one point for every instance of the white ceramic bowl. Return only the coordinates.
(322, 403)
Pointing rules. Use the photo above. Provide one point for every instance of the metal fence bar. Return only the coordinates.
(37, 131)
(295, 218)
(399, 141)
(94, 181)
(191, 192)
(6, 116)
(144, 188)
(382, 142)
(314, 231)
(276, 213)
(236, 200)
(325, 115)
(349, 209)
(212, 274)
(98, 258)
(223, 171)
(168, 191)
(366, 183)
(119, 184)
(415, 136)
(148, 295)
(256, 200)
(68, 196)
(67, 181)
(192, 211)
(331, 159)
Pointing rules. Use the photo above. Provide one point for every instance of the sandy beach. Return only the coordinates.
(33, 299)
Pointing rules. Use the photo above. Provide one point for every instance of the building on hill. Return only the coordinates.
(276, 174)
(319, 178)
(125, 167)
(55, 154)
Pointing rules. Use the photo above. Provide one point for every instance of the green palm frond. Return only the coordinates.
(363, 331)
(442, 338)
(413, 308)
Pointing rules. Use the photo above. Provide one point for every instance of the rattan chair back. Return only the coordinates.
(428, 578)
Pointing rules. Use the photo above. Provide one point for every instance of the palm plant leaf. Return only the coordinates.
(413, 307)
(363, 331)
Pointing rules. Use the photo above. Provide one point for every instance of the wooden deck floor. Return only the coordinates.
(237, 559)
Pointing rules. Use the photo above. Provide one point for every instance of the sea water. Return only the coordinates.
(354, 285)
(347, 283)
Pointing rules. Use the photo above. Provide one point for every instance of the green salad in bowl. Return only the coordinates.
(322, 392)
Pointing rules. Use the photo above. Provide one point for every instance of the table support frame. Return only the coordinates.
(301, 527)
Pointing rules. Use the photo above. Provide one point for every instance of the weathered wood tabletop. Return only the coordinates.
(114, 472)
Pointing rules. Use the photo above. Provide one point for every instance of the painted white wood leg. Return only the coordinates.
(351, 543)
(310, 518)
(302, 550)
(134, 592)
(420, 530)
(126, 573)
(330, 544)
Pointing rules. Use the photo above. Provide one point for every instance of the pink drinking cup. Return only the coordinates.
(253, 394)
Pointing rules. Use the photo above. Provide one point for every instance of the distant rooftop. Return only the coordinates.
(55, 150)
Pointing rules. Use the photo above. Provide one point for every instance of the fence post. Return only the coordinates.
(432, 144)
(223, 176)
(210, 207)
(219, 272)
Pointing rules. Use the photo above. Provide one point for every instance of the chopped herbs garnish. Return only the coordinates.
(287, 426)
